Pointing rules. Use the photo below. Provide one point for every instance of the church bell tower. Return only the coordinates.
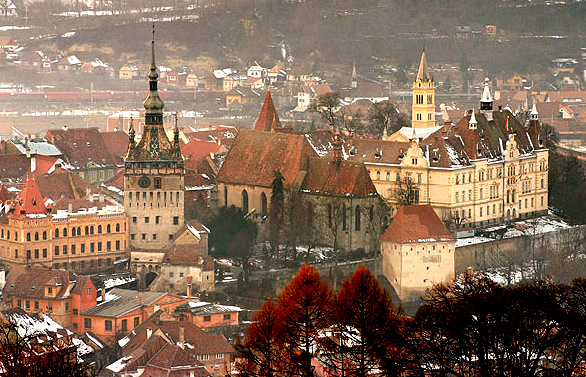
(423, 108)
(153, 176)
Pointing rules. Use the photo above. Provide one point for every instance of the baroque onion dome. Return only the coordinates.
(154, 144)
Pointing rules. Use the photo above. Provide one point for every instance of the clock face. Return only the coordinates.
(144, 182)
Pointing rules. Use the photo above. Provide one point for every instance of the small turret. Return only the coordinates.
(534, 115)
(486, 101)
(354, 83)
(472, 123)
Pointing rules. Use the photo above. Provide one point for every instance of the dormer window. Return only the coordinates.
(50, 290)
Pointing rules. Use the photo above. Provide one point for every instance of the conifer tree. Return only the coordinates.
(303, 308)
(261, 353)
(365, 311)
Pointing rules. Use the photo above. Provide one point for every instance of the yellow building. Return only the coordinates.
(86, 241)
(486, 169)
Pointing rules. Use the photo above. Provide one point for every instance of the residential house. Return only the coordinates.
(120, 311)
(54, 292)
(213, 351)
(92, 154)
(191, 80)
(242, 95)
(207, 314)
(513, 83)
(256, 71)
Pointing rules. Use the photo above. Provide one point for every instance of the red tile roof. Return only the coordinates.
(29, 282)
(196, 149)
(172, 361)
(44, 164)
(328, 176)
(416, 223)
(268, 120)
(13, 167)
(81, 146)
(256, 155)
(61, 184)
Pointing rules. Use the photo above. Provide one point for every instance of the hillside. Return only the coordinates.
(325, 33)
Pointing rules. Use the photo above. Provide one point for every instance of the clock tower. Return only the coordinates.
(153, 177)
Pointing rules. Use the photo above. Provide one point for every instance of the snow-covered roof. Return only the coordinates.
(420, 133)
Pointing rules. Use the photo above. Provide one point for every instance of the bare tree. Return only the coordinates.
(405, 192)
(385, 116)
(327, 105)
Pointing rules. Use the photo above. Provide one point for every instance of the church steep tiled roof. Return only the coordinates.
(268, 120)
(328, 176)
(416, 223)
(256, 155)
(30, 202)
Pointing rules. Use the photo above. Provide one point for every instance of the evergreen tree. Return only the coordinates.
(303, 308)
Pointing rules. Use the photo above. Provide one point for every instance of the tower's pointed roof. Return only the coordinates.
(268, 120)
(423, 72)
(29, 202)
(486, 96)
(154, 145)
(534, 109)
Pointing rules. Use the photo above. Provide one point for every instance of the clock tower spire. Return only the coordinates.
(153, 177)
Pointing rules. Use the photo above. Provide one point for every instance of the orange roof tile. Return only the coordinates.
(328, 176)
(29, 201)
(416, 223)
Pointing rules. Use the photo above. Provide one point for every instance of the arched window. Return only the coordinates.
(87, 230)
(79, 231)
(99, 229)
(73, 232)
(92, 229)
(64, 232)
(117, 227)
(36, 236)
(357, 218)
(344, 222)
(44, 235)
(108, 228)
(244, 201)
(225, 196)
(57, 233)
(28, 236)
(263, 204)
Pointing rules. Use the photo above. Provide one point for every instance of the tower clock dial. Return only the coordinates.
(144, 182)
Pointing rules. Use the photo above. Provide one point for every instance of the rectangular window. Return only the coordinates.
(226, 317)
(44, 253)
(136, 321)
(36, 253)
(73, 249)
(108, 325)
(64, 249)
(27, 304)
(207, 318)
(146, 220)
(124, 325)
(87, 323)
(92, 247)
(83, 248)
(134, 219)
(108, 245)
(175, 220)
(117, 245)
(157, 219)
(75, 311)
(50, 290)
(99, 246)
(36, 305)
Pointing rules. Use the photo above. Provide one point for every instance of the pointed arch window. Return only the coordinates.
(245, 201)
(263, 204)
(357, 218)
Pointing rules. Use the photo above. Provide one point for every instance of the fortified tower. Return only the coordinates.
(153, 176)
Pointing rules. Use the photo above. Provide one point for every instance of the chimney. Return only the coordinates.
(70, 207)
(101, 197)
(140, 298)
(88, 192)
(189, 285)
(103, 292)
(149, 332)
(181, 342)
